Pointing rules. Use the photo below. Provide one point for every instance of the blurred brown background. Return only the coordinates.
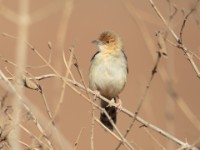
(137, 23)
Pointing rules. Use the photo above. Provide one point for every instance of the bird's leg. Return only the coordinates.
(118, 103)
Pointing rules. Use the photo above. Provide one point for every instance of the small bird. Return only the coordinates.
(108, 72)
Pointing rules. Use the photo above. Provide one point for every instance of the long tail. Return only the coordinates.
(112, 112)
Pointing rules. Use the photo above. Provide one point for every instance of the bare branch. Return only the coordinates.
(78, 138)
(180, 44)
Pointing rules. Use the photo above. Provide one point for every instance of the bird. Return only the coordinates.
(108, 73)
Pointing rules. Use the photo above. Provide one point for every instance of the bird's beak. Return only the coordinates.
(95, 42)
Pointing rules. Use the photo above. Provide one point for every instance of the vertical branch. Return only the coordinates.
(21, 56)
(92, 128)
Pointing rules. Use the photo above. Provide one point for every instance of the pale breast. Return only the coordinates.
(108, 74)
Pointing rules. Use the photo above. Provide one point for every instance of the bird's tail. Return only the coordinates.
(112, 112)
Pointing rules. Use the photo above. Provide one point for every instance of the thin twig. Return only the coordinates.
(154, 139)
(184, 21)
(78, 138)
(26, 66)
(92, 128)
(181, 45)
(108, 130)
(25, 144)
(69, 63)
(112, 133)
(47, 106)
(123, 140)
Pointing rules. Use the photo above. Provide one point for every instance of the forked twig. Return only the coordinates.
(185, 19)
(180, 44)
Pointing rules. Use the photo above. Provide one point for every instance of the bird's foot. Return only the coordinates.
(117, 104)
(111, 103)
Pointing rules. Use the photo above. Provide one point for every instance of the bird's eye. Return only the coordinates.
(108, 41)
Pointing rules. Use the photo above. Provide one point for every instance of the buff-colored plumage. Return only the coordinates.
(108, 71)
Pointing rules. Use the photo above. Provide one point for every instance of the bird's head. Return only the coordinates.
(109, 41)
